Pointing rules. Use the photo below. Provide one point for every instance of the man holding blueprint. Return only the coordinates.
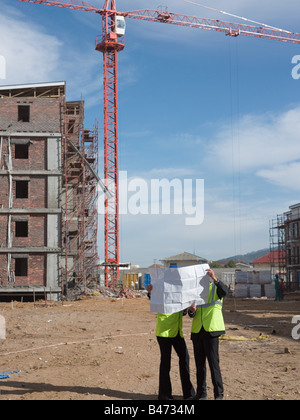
(175, 290)
(169, 332)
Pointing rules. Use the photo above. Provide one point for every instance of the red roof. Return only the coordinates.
(274, 256)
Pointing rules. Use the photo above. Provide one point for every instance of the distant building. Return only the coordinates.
(267, 261)
(156, 266)
(292, 244)
(183, 260)
(285, 236)
(241, 265)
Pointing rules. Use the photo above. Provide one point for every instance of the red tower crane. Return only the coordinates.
(112, 42)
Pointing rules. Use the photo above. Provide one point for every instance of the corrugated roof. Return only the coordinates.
(34, 90)
(184, 256)
(32, 85)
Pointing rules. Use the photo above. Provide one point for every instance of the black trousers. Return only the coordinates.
(206, 346)
(165, 387)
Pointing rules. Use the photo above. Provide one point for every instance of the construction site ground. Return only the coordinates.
(102, 348)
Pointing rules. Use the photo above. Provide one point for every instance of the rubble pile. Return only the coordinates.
(80, 292)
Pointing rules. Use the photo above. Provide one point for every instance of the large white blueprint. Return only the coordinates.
(175, 289)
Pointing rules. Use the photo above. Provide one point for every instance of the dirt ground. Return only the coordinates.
(105, 349)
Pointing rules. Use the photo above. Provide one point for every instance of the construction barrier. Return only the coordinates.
(131, 281)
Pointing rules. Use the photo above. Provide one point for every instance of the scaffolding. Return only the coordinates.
(277, 247)
(292, 232)
(285, 247)
(79, 200)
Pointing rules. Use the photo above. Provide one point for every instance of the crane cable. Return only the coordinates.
(236, 16)
(235, 146)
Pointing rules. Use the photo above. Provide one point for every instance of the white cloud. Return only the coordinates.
(30, 53)
(33, 55)
(259, 142)
(287, 176)
(170, 173)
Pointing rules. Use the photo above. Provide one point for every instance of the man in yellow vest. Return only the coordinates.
(207, 326)
(169, 334)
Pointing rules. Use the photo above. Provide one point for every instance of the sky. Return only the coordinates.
(215, 117)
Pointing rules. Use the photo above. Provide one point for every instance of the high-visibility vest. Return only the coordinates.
(209, 316)
(168, 325)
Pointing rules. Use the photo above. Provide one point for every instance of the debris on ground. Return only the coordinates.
(126, 293)
(6, 375)
(242, 338)
(80, 293)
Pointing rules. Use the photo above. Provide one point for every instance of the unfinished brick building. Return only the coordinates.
(48, 192)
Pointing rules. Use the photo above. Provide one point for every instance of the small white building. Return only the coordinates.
(183, 260)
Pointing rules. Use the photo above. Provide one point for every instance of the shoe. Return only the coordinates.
(198, 397)
(165, 398)
(190, 398)
(219, 398)
(193, 398)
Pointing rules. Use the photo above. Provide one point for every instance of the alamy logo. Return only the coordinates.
(296, 68)
(296, 329)
(2, 328)
(159, 197)
(2, 67)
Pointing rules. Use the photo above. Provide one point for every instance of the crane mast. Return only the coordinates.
(110, 44)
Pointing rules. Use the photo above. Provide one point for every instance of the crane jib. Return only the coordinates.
(164, 16)
(232, 29)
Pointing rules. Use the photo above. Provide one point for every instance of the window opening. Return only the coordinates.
(21, 229)
(24, 113)
(21, 267)
(21, 151)
(22, 189)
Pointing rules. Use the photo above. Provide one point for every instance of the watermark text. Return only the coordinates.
(2, 328)
(138, 196)
(296, 68)
(2, 67)
(296, 329)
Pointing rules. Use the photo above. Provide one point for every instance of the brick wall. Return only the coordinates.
(36, 271)
(44, 114)
(3, 229)
(4, 154)
(37, 232)
(37, 157)
(3, 191)
(37, 192)
(3, 269)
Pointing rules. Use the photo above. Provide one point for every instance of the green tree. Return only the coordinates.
(215, 264)
(230, 264)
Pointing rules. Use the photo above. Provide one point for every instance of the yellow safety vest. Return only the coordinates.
(168, 325)
(209, 316)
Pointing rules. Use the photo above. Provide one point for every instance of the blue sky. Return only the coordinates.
(193, 104)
